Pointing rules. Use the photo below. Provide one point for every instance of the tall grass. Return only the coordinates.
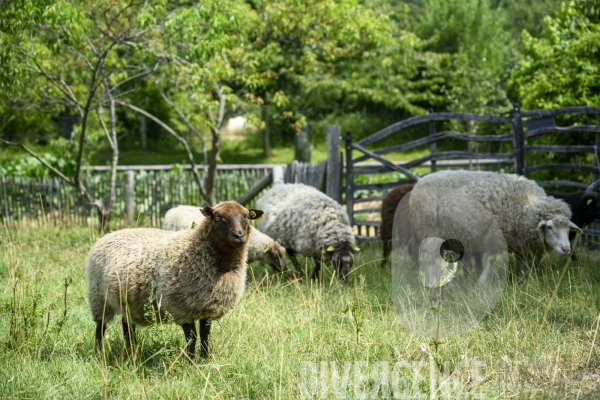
(283, 327)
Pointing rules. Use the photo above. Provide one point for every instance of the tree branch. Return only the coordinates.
(176, 136)
(185, 119)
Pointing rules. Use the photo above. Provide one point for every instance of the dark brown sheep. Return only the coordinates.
(388, 210)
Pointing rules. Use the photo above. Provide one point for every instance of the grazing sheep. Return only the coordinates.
(192, 275)
(519, 205)
(389, 204)
(585, 209)
(310, 223)
(260, 246)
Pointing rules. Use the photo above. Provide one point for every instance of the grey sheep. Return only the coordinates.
(519, 205)
(310, 223)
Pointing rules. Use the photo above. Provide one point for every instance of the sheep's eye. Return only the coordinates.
(217, 218)
(548, 227)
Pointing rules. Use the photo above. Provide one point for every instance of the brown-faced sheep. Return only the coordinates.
(197, 274)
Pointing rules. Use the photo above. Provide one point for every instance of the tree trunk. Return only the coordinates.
(212, 169)
(266, 138)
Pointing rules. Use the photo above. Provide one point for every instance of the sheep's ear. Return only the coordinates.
(266, 250)
(256, 214)
(541, 224)
(207, 211)
(194, 224)
(575, 227)
(330, 249)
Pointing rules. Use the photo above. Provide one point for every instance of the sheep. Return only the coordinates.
(388, 210)
(310, 223)
(190, 275)
(585, 209)
(519, 206)
(260, 246)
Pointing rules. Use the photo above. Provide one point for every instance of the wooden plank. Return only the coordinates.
(563, 183)
(350, 185)
(255, 190)
(168, 167)
(579, 167)
(387, 163)
(432, 138)
(561, 149)
(378, 186)
(367, 239)
(457, 154)
(277, 175)
(368, 199)
(333, 181)
(561, 111)
(433, 145)
(130, 198)
(367, 223)
(559, 129)
(365, 211)
(518, 140)
(419, 119)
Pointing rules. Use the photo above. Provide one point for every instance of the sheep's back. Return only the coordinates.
(303, 218)
(181, 218)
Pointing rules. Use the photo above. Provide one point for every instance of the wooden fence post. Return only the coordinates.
(349, 179)
(518, 140)
(333, 183)
(129, 197)
(277, 173)
(433, 145)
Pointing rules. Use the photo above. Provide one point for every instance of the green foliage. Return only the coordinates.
(561, 69)
(471, 33)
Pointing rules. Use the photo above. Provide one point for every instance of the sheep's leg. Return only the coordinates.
(128, 332)
(100, 330)
(572, 237)
(317, 272)
(387, 249)
(292, 255)
(204, 332)
(189, 330)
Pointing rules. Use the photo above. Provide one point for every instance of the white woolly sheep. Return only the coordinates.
(192, 275)
(311, 223)
(260, 246)
(519, 205)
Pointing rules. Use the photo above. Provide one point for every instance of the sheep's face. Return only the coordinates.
(556, 233)
(342, 258)
(230, 222)
(275, 257)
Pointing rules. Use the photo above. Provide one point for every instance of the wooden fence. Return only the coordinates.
(146, 192)
(505, 152)
(154, 190)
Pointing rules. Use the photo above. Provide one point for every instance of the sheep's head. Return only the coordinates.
(229, 221)
(591, 204)
(556, 233)
(342, 257)
(275, 257)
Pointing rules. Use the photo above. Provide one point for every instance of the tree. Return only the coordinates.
(79, 53)
(472, 33)
(562, 67)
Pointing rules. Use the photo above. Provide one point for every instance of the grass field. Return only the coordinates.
(291, 338)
